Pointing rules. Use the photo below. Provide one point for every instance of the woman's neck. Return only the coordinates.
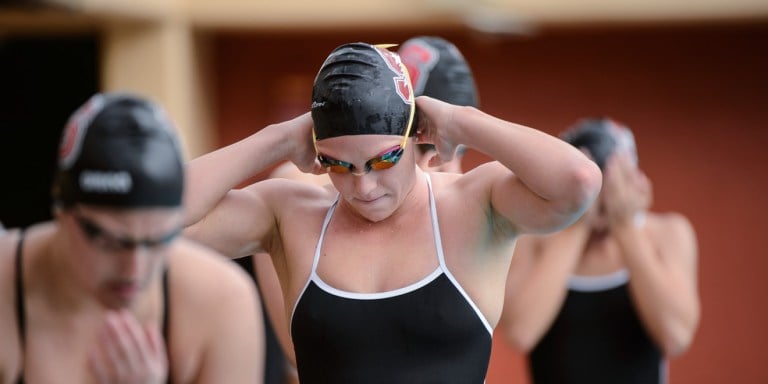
(53, 276)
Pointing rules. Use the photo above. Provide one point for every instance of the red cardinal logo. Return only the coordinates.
(402, 82)
(72, 138)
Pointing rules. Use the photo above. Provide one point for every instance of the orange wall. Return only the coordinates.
(696, 97)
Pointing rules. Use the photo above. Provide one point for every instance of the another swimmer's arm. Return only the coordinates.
(274, 303)
(11, 360)
(537, 284)
(661, 257)
(235, 345)
(663, 283)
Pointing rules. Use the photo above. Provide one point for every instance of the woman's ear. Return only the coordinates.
(422, 158)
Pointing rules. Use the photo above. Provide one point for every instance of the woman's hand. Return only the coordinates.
(436, 126)
(627, 191)
(128, 352)
(304, 155)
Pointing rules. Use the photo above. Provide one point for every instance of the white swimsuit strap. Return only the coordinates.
(319, 245)
(596, 283)
(435, 225)
(441, 257)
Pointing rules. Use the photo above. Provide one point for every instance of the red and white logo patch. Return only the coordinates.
(420, 58)
(402, 81)
(74, 132)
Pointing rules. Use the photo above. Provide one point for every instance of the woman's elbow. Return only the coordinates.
(583, 187)
(588, 181)
(678, 340)
(523, 345)
(518, 339)
(676, 346)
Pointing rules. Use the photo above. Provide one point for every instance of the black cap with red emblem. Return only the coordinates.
(362, 89)
(439, 70)
(119, 150)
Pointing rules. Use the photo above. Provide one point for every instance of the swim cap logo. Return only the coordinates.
(74, 132)
(402, 83)
(105, 182)
(420, 58)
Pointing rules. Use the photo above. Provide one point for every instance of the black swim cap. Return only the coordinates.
(439, 70)
(602, 137)
(362, 89)
(119, 150)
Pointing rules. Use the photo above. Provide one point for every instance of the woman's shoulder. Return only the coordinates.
(671, 223)
(443, 180)
(208, 294)
(191, 262)
(8, 244)
(205, 280)
(11, 238)
(672, 231)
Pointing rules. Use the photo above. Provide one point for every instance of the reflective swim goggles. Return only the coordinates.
(386, 160)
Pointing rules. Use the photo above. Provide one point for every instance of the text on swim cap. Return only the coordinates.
(105, 182)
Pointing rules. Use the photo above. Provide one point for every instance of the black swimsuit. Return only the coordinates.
(427, 332)
(597, 338)
(21, 312)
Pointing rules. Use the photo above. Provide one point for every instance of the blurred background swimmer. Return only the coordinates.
(612, 297)
(108, 291)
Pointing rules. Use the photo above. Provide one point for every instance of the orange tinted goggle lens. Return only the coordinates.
(382, 164)
(385, 161)
(337, 169)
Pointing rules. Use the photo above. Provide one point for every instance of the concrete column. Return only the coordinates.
(165, 60)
